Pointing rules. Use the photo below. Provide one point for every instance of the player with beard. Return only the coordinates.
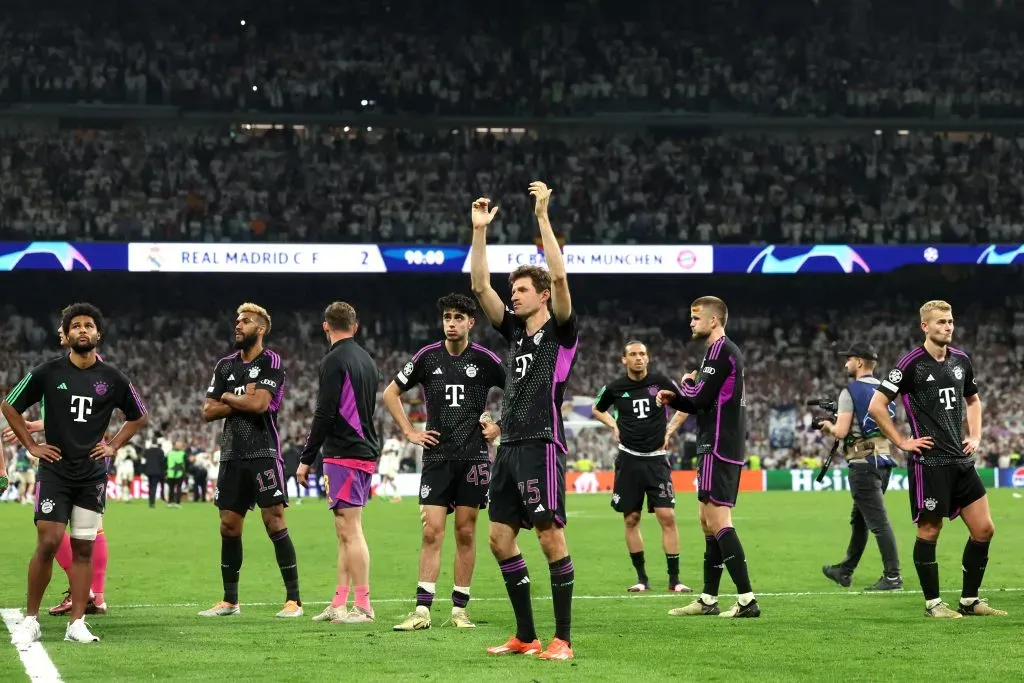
(246, 392)
(715, 394)
(80, 393)
(641, 465)
(97, 602)
(527, 486)
(939, 390)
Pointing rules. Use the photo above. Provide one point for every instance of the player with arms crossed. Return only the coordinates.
(78, 394)
(938, 386)
(641, 466)
(97, 603)
(457, 377)
(246, 392)
(528, 476)
(714, 393)
(343, 426)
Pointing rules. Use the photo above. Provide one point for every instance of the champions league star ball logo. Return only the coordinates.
(895, 376)
(101, 388)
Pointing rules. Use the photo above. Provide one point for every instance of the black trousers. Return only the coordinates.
(155, 481)
(175, 495)
(868, 484)
(199, 486)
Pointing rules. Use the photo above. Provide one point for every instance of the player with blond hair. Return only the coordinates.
(937, 384)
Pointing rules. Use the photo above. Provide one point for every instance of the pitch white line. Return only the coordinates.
(623, 596)
(38, 664)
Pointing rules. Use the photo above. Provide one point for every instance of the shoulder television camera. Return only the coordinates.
(827, 408)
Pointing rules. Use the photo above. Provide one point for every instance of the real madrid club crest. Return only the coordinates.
(471, 371)
(958, 372)
(254, 372)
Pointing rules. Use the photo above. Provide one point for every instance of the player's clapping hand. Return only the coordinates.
(491, 431)
(302, 474)
(665, 397)
(916, 445)
(971, 445)
(427, 439)
(101, 450)
(45, 451)
(483, 213)
(542, 196)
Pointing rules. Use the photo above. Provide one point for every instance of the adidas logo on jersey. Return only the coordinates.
(277, 494)
(540, 508)
(439, 371)
(231, 378)
(930, 379)
(62, 386)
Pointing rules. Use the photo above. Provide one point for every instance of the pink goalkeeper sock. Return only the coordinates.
(363, 597)
(340, 597)
(99, 566)
(64, 555)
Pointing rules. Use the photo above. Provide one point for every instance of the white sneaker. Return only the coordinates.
(26, 633)
(78, 632)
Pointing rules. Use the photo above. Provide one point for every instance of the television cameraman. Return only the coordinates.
(870, 462)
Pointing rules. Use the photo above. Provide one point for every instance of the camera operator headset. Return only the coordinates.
(870, 464)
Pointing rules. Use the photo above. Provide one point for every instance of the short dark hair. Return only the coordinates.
(81, 309)
(340, 317)
(715, 305)
(540, 277)
(625, 347)
(457, 302)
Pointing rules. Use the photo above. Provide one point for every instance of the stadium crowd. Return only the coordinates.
(331, 185)
(789, 58)
(789, 347)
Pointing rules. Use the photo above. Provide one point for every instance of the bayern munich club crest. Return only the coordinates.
(958, 372)
(653, 391)
(424, 491)
(471, 371)
(101, 388)
(254, 372)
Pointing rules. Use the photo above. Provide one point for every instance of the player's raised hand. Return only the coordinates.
(483, 213)
(101, 450)
(542, 196)
(45, 451)
(971, 445)
(427, 439)
(665, 397)
(302, 474)
(491, 431)
(916, 445)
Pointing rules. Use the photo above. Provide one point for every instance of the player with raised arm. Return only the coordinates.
(79, 393)
(343, 427)
(527, 486)
(715, 394)
(938, 388)
(641, 466)
(246, 392)
(100, 556)
(457, 375)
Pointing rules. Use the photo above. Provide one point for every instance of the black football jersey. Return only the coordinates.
(76, 406)
(248, 436)
(641, 422)
(455, 390)
(537, 370)
(933, 396)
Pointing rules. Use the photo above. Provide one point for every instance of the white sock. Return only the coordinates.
(745, 599)
(708, 599)
(928, 604)
(429, 586)
(30, 619)
(967, 601)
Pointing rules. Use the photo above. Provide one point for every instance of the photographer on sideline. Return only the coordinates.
(870, 464)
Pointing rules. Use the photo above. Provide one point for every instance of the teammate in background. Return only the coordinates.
(641, 466)
(100, 556)
(938, 387)
(246, 392)
(714, 393)
(457, 376)
(343, 426)
(388, 468)
(527, 486)
(80, 393)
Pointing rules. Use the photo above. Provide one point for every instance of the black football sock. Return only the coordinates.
(563, 576)
(734, 559)
(974, 561)
(517, 583)
(713, 566)
(284, 549)
(230, 566)
(927, 568)
(460, 599)
(673, 569)
(424, 596)
(638, 564)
